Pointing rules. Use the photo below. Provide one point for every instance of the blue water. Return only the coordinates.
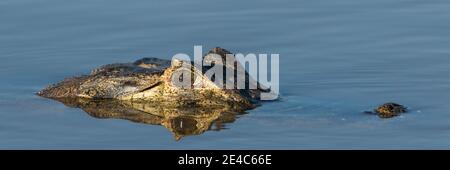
(337, 59)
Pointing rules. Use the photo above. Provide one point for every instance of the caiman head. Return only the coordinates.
(150, 80)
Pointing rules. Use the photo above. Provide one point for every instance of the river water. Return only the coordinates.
(337, 59)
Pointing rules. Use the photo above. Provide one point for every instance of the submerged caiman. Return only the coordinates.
(150, 80)
(143, 92)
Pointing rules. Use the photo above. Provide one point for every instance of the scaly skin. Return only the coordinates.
(389, 110)
(149, 80)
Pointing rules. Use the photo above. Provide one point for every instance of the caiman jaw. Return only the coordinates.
(145, 94)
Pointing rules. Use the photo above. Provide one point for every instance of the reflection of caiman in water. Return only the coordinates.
(182, 121)
(144, 91)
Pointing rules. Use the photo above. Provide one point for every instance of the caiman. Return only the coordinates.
(143, 92)
(150, 80)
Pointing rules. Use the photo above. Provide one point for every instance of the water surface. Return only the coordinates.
(337, 58)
